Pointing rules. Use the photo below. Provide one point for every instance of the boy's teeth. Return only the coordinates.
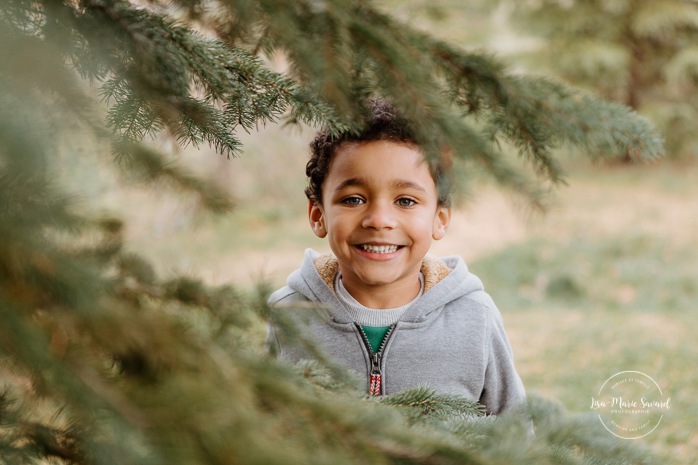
(379, 248)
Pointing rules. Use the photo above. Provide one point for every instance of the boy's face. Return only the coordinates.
(380, 213)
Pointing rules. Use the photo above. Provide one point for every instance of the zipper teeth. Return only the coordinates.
(376, 377)
(365, 338)
(386, 337)
(383, 342)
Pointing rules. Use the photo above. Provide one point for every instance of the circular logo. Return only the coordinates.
(630, 405)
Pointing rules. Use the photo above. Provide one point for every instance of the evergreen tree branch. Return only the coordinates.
(151, 371)
(534, 116)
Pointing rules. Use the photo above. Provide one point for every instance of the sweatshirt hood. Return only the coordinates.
(445, 279)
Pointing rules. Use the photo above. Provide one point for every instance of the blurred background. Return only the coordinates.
(603, 281)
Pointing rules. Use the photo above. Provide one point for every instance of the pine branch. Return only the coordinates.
(425, 403)
(145, 370)
(515, 108)
(623, 52)
(158, 68)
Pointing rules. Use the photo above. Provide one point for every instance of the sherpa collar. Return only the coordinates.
(433, 269)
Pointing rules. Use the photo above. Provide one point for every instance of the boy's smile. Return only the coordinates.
(380, 213)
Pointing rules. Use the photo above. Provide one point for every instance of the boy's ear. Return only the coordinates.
(441, 222)
(316, 217)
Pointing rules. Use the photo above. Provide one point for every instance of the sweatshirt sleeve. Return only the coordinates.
(278, 298)
(503, 390)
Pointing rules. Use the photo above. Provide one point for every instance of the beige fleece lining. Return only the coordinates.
(433, 269)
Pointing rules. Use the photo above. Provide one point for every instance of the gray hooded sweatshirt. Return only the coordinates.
(451, 339)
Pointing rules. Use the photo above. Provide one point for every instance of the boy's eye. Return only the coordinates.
(405, 202)
(352, 201)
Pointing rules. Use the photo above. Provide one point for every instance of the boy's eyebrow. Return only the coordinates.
(350, 183)
(407, 184)
(397, 184)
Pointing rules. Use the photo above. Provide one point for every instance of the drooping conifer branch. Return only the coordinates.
(145, 370)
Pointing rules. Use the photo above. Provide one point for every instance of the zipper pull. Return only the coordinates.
(375, 384)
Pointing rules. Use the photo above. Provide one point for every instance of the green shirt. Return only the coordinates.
(375, 335)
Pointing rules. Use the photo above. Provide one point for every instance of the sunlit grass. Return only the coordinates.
(616, 273)
(579, 311)
(566, 354)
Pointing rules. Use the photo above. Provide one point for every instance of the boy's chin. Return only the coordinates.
(382, 278)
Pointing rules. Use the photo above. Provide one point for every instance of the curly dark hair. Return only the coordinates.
(383, 122)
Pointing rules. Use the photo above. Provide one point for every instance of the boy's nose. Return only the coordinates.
(378, 216)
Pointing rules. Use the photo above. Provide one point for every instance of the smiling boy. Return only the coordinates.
(393, 314)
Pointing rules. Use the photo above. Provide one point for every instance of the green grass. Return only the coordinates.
(578, 312)
(566, 354)
(614, 273)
